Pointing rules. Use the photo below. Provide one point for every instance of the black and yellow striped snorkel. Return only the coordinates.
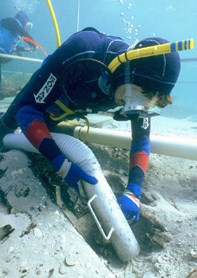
(150, 51)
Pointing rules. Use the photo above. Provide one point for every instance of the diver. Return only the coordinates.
(11, 32)
(75, 80)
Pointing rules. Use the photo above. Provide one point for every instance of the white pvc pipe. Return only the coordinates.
(102, 201)
(165, 145)
(15, 57)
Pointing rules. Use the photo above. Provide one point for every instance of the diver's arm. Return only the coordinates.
(139, 157)
(140, 150)
(35, 129)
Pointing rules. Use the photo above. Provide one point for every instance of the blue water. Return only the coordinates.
(131, 20)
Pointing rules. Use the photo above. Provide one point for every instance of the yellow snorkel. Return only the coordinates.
(54, 22)
(150, 51)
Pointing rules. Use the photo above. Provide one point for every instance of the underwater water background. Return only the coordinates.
(130, 19)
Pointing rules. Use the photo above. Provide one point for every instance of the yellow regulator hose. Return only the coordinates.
(54, 22)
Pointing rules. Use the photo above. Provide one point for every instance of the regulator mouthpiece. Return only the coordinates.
(140, 111)
(137, 104)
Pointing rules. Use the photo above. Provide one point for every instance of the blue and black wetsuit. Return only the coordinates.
(37, 104)
(76, 64)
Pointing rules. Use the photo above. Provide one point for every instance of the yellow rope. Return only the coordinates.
(54, 22)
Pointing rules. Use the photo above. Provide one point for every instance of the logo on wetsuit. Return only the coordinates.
(46, 89)
(145, 124)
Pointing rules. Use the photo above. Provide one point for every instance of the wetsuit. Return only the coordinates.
(37, 104)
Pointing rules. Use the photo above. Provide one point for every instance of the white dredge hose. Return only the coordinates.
(102, 201)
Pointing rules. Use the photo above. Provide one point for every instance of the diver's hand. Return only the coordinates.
(72, 174)
(130, 204)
